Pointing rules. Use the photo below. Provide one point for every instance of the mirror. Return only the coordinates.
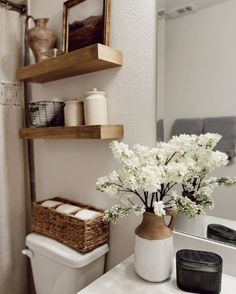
(197, 81)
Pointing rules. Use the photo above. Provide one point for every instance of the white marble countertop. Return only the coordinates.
(123, 279)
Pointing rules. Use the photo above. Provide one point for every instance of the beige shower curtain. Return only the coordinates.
(12, 191)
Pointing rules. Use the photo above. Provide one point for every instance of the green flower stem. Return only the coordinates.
(152, 199)
(131, 202)
(140, 197)
(169, 159)
(169, 187)
(146, 198)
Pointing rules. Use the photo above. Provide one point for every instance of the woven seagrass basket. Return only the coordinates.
(81, 235)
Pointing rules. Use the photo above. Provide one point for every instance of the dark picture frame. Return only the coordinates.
(84, 32)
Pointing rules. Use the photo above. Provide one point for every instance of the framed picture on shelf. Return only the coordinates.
(85, 22)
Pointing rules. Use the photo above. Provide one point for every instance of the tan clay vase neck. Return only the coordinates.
(152, 219)
(154, 227)
(41, 22)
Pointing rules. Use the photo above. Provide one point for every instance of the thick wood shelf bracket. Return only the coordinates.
(81, 132)
(89, 59)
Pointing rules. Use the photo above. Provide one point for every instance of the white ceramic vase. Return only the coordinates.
(154, 249)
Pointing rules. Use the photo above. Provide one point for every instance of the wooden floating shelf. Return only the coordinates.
(81, 132)
(89, 59)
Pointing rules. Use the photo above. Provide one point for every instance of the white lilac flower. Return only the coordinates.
(138, 210)
(128, 177)
(206, 190)
(116, 212)
(218, 159)
(142, 152)
(173, 200)
(102, 184)
(226, 181)
(187, 207)
(209, 140)
(108, 183)
(159, 208)
(150, 173)
(148, 178)
(122, 152)
(175, 172)
(210, 182)
(203, 200)
(184, 143)
(165, 151)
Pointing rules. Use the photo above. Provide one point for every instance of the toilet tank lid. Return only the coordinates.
(61, 253)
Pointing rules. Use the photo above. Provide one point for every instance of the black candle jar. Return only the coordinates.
(221, 233)
(199, 271)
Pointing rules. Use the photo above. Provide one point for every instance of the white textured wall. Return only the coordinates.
(70, 168)
(200, 76)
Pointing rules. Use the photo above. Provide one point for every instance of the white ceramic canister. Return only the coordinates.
(74, 113)
(95, 108)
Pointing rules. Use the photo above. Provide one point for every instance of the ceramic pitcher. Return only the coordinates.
(40, 38)
(154, 247)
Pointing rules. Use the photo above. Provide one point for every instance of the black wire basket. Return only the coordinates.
(45, 113)
(199, 271)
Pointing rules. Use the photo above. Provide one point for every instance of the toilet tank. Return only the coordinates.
(58, 269)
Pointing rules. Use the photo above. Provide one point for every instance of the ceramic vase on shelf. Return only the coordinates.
(40, 38)
(154, 249)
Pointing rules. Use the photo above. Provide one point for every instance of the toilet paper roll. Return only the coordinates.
(86, 214)
(50, 203)
(67, 208)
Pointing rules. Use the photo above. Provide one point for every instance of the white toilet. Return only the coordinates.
(58, 269)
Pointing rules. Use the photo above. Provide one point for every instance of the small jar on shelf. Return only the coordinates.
(74, 113)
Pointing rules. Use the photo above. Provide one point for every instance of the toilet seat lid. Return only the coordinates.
(61, 253)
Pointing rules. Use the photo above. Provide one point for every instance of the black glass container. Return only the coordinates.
(199, 271)
(221, 233)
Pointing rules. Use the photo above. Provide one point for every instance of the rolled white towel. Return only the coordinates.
(68, 208)
(86, 214)
(50, 203)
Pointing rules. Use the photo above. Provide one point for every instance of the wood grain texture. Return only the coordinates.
(89, 59)
(81, 132)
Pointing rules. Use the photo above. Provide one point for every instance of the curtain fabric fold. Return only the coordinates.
(12, 181)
